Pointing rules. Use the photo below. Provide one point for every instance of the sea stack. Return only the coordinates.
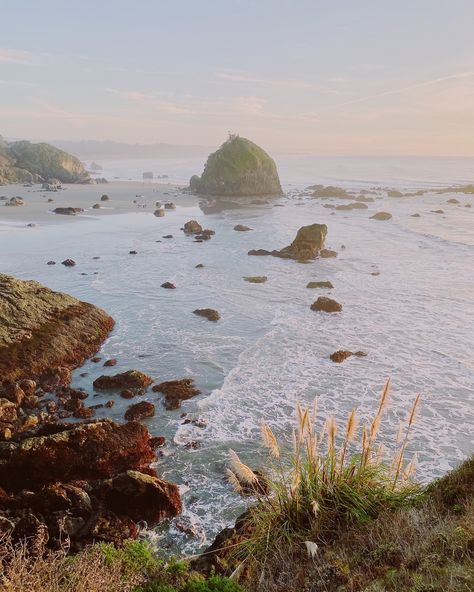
(238, 168)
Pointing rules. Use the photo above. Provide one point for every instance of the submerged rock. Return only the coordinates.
(381, 216)
(255, 279)
(239, 167)
(315, 285)
(242, 228)
(341, 355)
(139, 411)
(168, 286)
(209, 313)
(176, 391)
(325, 304)
(42, 331)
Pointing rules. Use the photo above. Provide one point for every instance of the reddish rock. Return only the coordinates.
(126, 380)
(111, 362)
(341, 355)
(209, 313)
(109, 528)
(325, 304)
(157, 442)
(127, 394)
(192, 227)
(139, 411)
(68, 262)
(42, 330)
(141, 496)
(66, 452)
(176, 391)
(8, 411)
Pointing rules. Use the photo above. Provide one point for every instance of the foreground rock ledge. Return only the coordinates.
(42, 330)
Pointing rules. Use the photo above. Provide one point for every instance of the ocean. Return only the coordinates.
(415, 319)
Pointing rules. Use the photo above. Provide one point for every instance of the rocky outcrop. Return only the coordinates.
(239, 167)
(42, 330)
(307, 245)
(139, 411)
(24, 162)
(131, 379)
(89, 482)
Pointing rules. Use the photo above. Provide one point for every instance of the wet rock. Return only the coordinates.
(327, 253)
(126, 380)
(416, 215)
(168, 286)
(168, 236)
(242, 228)
(133, 252)
(381, 216)
(259, 252)
(96, 206)
(157, 442)
(139, 411)
(51, 263)
(105, 198)
(192, 227)
(341, 355)
(69, 211)
(199, 266)
(325, 304)
(307, 244)
(111, 362)
(255, 279)
(176, 391)
(159, 213)
(15, 201)
(317, 285)
(330, 191)
(170, 206)
(96, 359)
(68, 262)
(209, 313)
(127, 394)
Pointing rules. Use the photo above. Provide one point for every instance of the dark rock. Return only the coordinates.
(242, 228)
(105, 198)
(209, 313)
(176, 391)
(139, 411)
(111, 362)
(69, 211)
(133, 252)
(126, 380)
(170, 206)
(199, 266)
(168, 286)
(157, 442)
(51, 263)
(325, 304)
(68, 262)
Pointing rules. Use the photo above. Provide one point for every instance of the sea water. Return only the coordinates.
(415, 320)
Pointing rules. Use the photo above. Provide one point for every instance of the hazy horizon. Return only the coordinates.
(312, 78)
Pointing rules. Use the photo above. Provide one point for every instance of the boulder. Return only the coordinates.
(176, 391)
(42, 331)
(325, 304)
(110, 362)
(68, 262)
(168, 286)
(159, 213)
(105, 198)
(126, 380)
(192, 227)
(209, 313)
(139, 411)
(239, 167)
(381, 216)
(307, 244)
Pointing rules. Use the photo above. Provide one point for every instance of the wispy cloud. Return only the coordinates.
(16, 56)
(236, 76)
(404, 89)
(153, 100)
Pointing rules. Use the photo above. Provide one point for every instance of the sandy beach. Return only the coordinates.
(125, 196)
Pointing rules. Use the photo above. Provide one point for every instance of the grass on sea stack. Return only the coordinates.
(325, 483)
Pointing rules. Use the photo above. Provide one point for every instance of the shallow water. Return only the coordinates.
(415, 321)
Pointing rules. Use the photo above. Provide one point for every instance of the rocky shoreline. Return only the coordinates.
(91, 480)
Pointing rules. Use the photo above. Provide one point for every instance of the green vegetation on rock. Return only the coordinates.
(24, 162)
(239, 167)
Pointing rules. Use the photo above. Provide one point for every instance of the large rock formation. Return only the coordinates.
(42, 330)
(307, 245)
(24, 162)
(239, 167)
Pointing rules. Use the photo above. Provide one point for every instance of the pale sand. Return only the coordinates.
(37, 210)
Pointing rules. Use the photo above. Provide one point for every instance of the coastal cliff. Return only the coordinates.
(24, 162)
(238, 168)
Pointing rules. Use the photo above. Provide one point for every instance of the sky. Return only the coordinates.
(329, 77)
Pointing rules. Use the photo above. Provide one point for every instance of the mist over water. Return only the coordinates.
(414, 320)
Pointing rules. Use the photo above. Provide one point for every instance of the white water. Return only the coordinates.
(415, 320)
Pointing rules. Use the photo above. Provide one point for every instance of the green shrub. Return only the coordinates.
(213, 584)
